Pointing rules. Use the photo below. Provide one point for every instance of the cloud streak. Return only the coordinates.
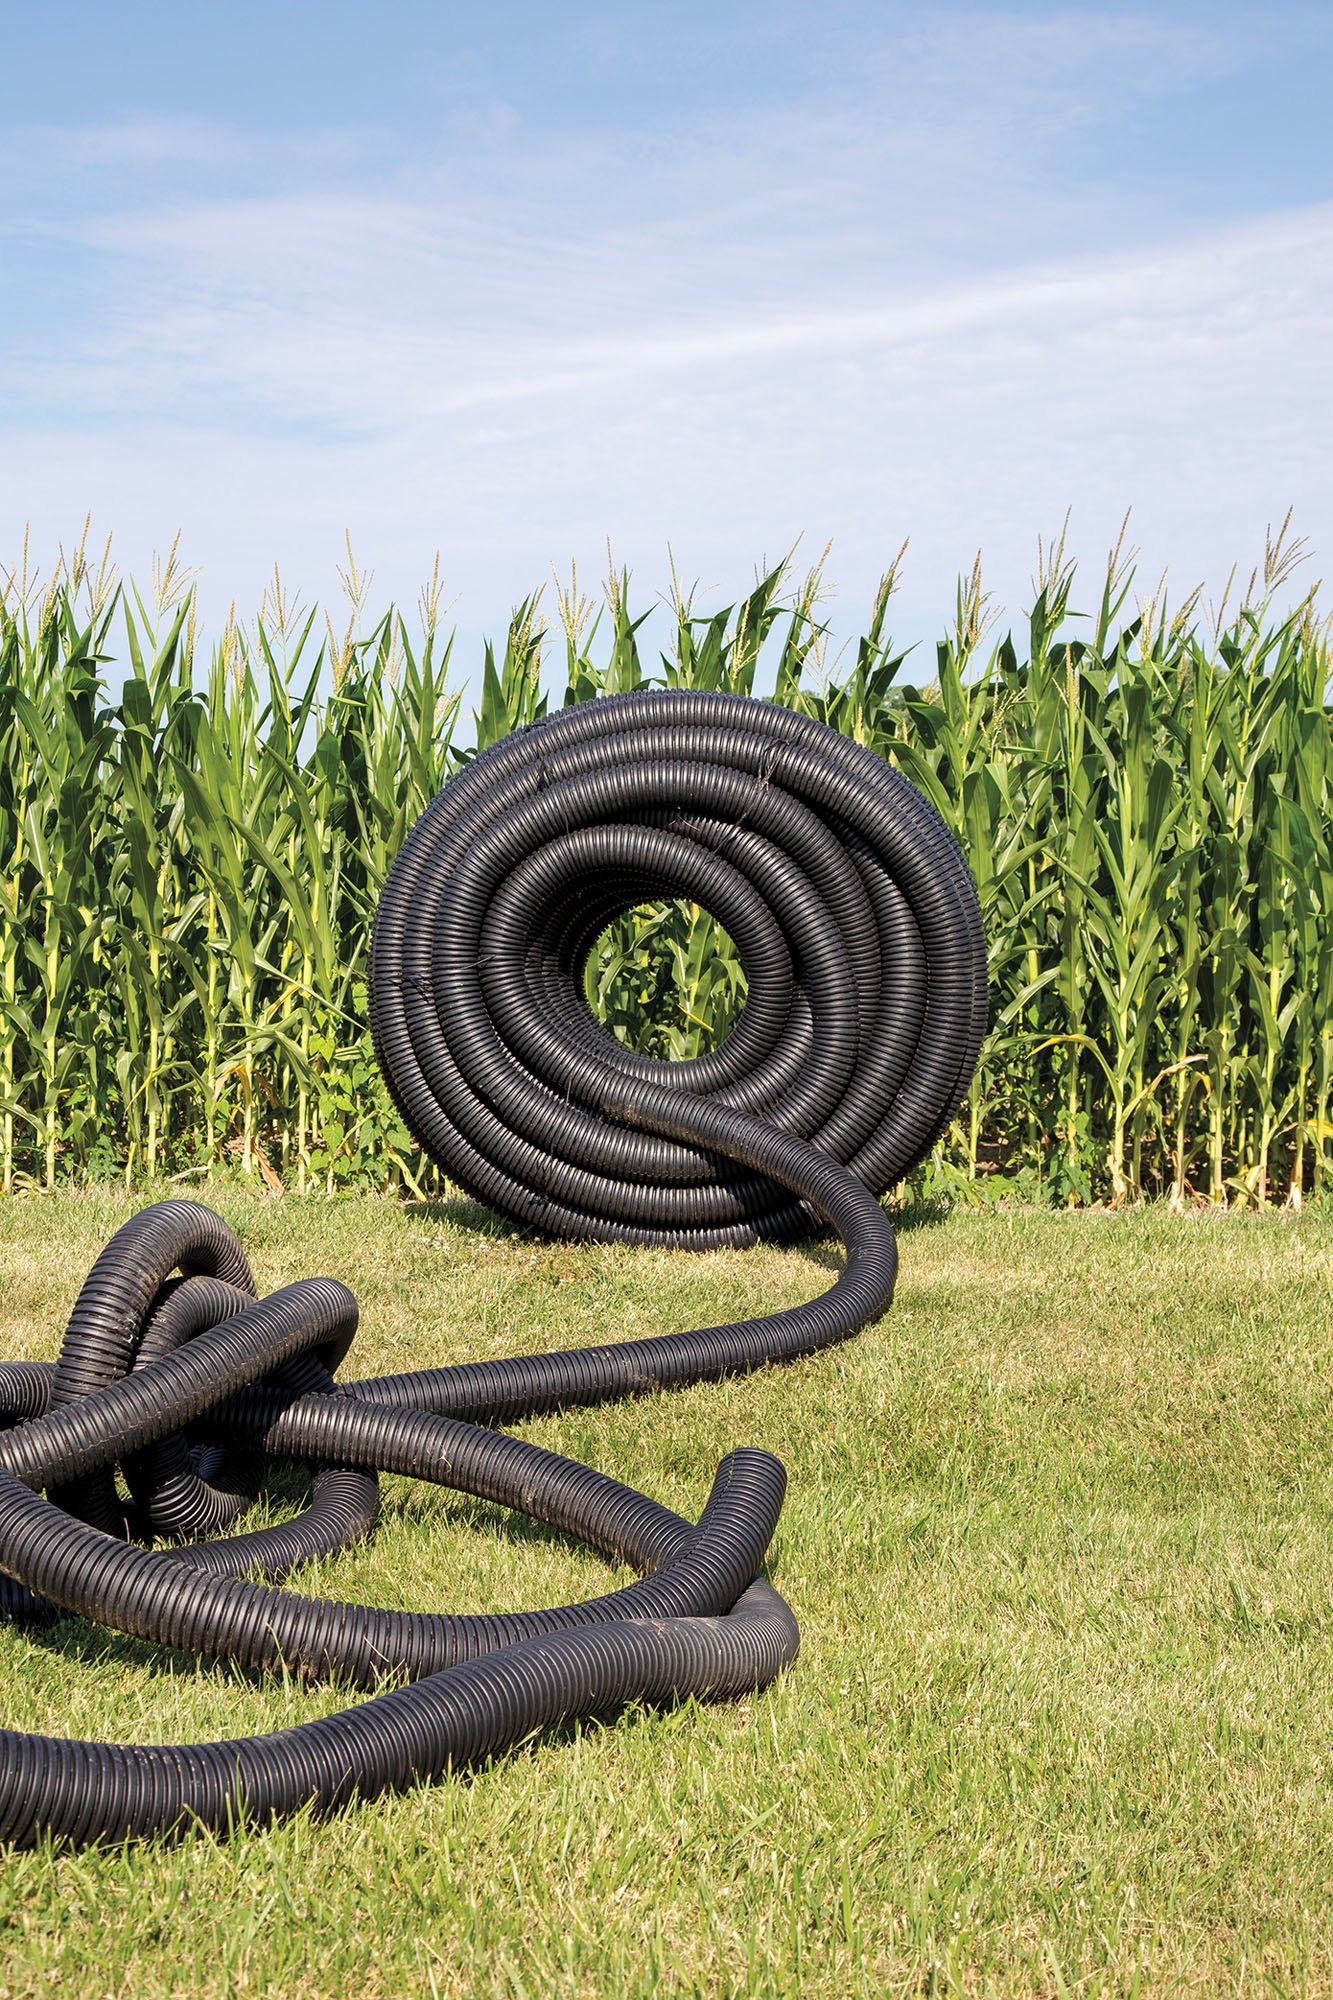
(804, 318)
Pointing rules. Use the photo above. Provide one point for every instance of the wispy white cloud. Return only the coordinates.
(103, 160)
(884, 305)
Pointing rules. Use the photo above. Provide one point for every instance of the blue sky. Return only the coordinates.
(506, 281)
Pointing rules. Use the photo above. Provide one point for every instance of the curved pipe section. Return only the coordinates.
(858, 928)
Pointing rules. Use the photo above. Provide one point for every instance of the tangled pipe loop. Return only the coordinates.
(858, 927)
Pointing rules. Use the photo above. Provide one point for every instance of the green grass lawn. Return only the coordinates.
(1058, 1535)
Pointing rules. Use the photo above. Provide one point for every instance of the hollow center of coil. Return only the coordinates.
(666, 979)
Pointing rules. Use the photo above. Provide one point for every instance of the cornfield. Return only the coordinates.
(192, 839)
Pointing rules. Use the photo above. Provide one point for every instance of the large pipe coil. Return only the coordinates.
(858, 930)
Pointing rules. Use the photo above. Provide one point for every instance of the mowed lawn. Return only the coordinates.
(1058, 1535)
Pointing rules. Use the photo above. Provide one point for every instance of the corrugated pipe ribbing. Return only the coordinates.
(857, 925)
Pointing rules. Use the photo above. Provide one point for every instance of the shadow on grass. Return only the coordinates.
(241, 1823)
(84, 1642)
(462, 1212)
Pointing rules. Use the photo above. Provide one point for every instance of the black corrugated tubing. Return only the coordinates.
(857, 925)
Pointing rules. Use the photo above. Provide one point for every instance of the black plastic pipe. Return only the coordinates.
(858, 928)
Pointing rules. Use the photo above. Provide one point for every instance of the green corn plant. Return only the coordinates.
(188, 871)
(953, 745)
(1310, 762)
(804, 646)
(1130, 936)
(868, 704)
(152, 918)
(62, 825)
(17, 779)
(215, 758)
(511, 694)
(621, 672)
(720, 653)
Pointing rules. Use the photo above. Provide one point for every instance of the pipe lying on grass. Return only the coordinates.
(858, 929)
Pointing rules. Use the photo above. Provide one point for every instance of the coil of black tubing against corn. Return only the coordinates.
(858, 929)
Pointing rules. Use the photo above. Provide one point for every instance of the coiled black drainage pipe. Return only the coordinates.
(858, 928)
